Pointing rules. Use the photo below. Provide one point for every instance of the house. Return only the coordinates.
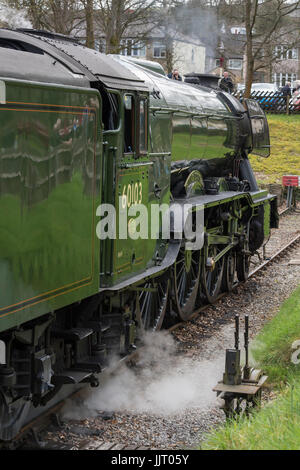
(171, 50)
(187, 54)
(286, 69)
(230, 55)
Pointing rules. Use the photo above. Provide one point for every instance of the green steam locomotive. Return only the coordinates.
(85, 141)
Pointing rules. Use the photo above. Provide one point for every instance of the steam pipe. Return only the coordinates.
(236, 333)
(246, 338)
(246, 173)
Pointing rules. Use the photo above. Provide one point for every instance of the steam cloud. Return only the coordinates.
(202, 24)
(164, 383)
(12, 18)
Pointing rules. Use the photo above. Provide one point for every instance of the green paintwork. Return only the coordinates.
(199, 138)
(197, 132)
(267, 218)
(178, 132)
(136, 177)
(50, 160)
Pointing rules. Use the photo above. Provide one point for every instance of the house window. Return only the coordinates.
(218, 63)
(139, 50)
(236, 64)
(126, 46)
(281, 52)
(281, 78)
(111, 111)
(292, 53)
(100, 45)
(159, 50)
(238, 30)
(133, 48)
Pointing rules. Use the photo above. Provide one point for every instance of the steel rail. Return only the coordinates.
(276, 255)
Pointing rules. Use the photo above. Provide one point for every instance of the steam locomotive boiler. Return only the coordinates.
(80, 133)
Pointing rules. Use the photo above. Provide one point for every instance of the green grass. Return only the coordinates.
(285, 149)
(275, 427)
(277, 424)
(272, 347)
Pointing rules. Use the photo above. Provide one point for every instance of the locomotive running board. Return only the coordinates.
(169, 259)
(254, 198)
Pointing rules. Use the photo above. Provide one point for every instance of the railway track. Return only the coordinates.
(30, 431)
(288, 210)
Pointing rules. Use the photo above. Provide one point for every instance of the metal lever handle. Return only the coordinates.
(157, 190)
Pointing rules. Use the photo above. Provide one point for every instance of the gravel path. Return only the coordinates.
(166, 400)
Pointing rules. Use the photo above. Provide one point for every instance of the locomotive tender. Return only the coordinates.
(80, 129)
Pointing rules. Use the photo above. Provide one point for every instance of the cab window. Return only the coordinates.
(129, 124)
(143, 125)
(111, 111)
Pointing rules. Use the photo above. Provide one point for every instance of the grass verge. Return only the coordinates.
(277, 425)
(272, 347)
(285, 149)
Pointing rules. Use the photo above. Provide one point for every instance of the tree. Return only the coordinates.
(89, 22)
(268, 23)
(171, 28)
(116, 18)
(59, 16)
(136, 19)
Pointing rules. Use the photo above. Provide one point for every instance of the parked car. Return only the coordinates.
(267, 87)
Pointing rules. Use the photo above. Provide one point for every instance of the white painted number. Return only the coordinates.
(132, 194)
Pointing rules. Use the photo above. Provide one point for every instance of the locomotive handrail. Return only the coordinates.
(221, 118)
(133, 165)
(159, 154)
(166, 110)
(201, 116)
(180, 169)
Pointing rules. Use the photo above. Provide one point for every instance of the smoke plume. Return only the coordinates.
(12, 18)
